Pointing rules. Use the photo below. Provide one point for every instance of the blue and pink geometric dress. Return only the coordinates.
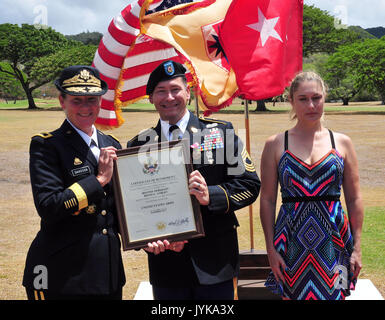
(312, 231)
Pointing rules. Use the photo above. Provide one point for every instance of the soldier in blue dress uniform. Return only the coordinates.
(224, 180)
(76, 254)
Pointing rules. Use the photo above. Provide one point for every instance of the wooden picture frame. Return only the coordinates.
(152, 196)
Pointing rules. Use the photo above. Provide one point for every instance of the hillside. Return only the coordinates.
(378, 32)
(364, 34)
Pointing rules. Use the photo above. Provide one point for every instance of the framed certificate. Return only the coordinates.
(152, 195)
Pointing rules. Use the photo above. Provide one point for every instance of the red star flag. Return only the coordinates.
(262, 40)
(193, 32)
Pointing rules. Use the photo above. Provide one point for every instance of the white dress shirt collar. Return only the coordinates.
(182, 124)
(87, 139)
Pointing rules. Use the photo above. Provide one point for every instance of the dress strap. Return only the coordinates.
(332, 139)
(286, 140)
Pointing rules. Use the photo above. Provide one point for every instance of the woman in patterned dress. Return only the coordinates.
(314, 246)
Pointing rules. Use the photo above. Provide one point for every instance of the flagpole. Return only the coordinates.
(196, 102)
(248, 150)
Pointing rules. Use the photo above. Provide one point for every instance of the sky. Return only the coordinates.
(76, 16)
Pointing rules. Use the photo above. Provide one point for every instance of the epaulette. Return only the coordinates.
(44, 135)
(140, 133)
(212, 120)
(113, 137)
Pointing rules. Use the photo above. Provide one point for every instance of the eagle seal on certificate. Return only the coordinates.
(150, 166)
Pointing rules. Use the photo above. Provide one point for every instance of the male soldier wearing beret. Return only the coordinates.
(224, 180)
(76, 254)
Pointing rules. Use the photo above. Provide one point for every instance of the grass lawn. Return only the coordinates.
(19, 221)
(373, 239)
(373, 107)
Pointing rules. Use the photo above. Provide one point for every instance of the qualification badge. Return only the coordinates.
(193, 129)
(196, 153)
(91, 209)
(77, 161)
(209, 155)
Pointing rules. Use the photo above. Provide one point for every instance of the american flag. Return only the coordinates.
(125, 59)
(166, 4)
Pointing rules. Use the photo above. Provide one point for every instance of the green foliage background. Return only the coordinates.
(350, 59)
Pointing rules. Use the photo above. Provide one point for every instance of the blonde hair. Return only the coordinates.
(300, 78)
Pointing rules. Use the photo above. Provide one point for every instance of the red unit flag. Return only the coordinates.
(262, 40)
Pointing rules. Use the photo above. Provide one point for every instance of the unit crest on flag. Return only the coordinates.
(213, 47)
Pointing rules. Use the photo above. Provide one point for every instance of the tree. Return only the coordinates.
(343, 89)
(9, 87)
(339, 77)
(358, 66)
(261, 106)
(320, 36)
(320, 33)
(369, 69)
(23, 46)
(47, 68)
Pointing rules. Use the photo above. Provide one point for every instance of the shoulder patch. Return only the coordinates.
(212, 120)
(44, 135)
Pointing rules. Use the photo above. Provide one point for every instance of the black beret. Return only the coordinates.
(81, 81)
(165, 71)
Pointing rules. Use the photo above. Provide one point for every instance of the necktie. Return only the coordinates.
(175, 132)
(95, 149)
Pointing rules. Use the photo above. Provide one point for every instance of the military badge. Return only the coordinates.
(77, 161)
(196, 152)
(213, 140)
(247, 162)
(212, 125)
(209, 155)
(169, 68)
(91, 209)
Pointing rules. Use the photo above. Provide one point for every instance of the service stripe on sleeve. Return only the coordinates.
(80, 195)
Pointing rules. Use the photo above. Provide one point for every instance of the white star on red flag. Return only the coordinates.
(265, 27)
(271, 52)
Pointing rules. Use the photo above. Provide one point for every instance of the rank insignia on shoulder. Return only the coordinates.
(77, 161)
(212, 121)
(113, 137)
(247, 162)
(44, 135)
